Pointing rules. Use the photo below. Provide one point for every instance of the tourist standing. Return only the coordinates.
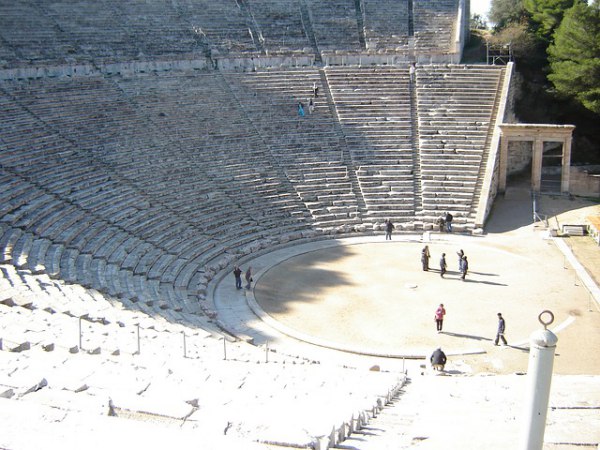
(425, 255)
(448, 220)
(440, 223)
(440, 312)
(249, 277)
(464, 266)
(237, 273)
(443, 265)
(460, 255)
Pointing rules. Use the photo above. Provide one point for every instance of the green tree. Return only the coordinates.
(506, 12)
(575, 55)
(546, 15)
(478, 22)
(526, 47)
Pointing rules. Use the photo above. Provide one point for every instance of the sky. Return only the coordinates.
(481, 7)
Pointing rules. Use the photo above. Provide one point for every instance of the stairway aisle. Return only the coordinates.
(391, 429)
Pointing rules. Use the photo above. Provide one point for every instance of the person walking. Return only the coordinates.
(440, 312)
(464, 267)
(249, 279)
(501, 330)
(389, 226)
(300, 109)
(443, 265)
(438, 359)
(237, 273)
(425, 255)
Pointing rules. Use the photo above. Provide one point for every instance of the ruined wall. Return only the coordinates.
(585, 180)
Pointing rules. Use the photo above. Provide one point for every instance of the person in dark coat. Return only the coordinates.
(443, 265)
(448, 220)
(237, 273)
(425, 255)
(438, 359)
(389, 227)
(501, 330)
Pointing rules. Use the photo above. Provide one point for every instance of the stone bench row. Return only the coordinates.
(309, 177)
(367, 127)
(113, 252)
(157, 344)
(386, 156)
(36, 291)
(127, 388)
(71, 266)
(76, 177)
(223, 30)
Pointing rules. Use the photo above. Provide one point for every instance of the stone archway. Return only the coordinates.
(540, 135)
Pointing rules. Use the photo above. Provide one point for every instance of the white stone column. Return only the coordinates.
(566, 165)
(539, 377)
(536, 164)
(504, 140)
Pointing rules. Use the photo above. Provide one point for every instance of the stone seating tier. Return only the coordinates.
(146, 33)
(40, 326)
(89, 224)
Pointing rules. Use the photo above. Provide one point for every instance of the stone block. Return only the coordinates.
(35, 386)
(17, 347)
(8, 302)
(49, 347)
(150, 406)
(6, 392)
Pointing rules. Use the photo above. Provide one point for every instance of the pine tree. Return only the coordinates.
(546, 15)
(575, 55)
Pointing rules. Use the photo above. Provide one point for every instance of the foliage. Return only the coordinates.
(478, 22)
(555, 93)
(526, 47)
(546, 15)
(575, 55)
(506, 12)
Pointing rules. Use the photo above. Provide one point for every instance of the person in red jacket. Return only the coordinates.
(440, 312)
